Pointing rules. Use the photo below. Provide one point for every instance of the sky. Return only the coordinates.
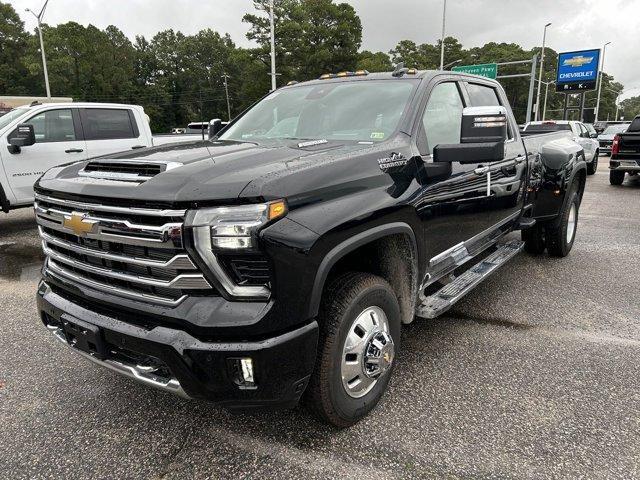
(576, 24)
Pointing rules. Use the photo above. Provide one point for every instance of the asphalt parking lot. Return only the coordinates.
(535, 375)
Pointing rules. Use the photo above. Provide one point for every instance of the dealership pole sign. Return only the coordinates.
(578, 71)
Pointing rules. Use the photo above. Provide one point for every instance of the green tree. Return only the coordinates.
(629, 108)
(374, 62)
(13, 42)
(312, 37)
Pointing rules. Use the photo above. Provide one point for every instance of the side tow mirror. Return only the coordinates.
(215, 125)
(593, 135)
(484, 125)
(23, 136)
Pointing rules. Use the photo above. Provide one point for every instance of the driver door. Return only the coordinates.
(451, 206)
(59, 140)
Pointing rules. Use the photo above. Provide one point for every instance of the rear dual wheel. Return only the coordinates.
(616, 177)
(557, 236)
(359, 339)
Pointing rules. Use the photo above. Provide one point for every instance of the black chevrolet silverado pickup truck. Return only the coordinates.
(278, 261)
(625, 153)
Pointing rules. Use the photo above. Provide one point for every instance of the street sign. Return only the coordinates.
(577, 71)
(489, 70)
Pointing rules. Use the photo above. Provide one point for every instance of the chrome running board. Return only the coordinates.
(447, 296)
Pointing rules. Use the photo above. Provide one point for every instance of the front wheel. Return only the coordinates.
(561, 234)
(593, 166)
(359, 340)
(616, 177)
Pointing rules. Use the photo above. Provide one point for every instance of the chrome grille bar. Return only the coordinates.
(135, 253)
(59, 272)
(152, 212)
(178, 262)
(168, 235)
(190, 281)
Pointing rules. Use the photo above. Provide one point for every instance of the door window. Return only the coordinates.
(442, 118)
(482, 96)
(53, 126)
(107, 124)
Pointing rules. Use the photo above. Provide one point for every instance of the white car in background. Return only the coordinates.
(605, 139)
(579, 133)
(37, 137)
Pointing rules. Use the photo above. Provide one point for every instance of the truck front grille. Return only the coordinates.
(129, 252)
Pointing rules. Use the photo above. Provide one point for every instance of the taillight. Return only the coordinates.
(615, 146)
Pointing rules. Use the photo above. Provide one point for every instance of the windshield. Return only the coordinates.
(9, 117)
(363, 111)
(613, 129)
(547, 127)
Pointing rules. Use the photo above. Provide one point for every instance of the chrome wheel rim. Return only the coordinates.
(368, 352)
(571, 223)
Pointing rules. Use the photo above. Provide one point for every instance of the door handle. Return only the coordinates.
(74, 150)
(136, 147)
(481, 170)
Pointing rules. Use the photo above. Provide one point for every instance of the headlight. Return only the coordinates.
(232, 230)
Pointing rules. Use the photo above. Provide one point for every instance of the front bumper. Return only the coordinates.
(624, 165)
(176, 362)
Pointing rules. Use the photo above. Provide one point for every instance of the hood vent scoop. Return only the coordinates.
(125, 170)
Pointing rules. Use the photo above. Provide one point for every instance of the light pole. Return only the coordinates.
(226, 89)
(273, 47)
(618, 93)
(546, 91)
(604, 50)
(544, 41)
(451, 64)
(444, 21)
(39, 17)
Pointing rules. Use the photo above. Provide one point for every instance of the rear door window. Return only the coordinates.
(108, 124)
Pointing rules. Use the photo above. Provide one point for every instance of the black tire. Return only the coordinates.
(593, 166)
(534, 241)
(556, 235)
(344, 300)
(616, 177)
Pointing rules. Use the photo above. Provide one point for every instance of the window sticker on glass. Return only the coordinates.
(377, 135)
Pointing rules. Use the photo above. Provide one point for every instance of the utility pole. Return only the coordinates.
(273, 47)
(544, 41)
(444, 22)
(226, 89)
(546, 92)
(39, 18)
(604, 50)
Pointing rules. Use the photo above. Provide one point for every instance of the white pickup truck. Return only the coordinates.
(41, 136)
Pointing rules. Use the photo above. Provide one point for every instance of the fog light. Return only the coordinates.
(242, 372)
(247, 369)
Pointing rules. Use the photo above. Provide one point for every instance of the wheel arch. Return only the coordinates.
(395, 250)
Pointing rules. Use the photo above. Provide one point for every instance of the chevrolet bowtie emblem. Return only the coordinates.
(78, 224)
(577, 61)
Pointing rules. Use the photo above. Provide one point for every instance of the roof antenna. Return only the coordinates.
(400, 70)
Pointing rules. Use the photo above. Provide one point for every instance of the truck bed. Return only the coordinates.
(533, 142)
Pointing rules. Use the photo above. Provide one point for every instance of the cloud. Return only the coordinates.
(576, 25)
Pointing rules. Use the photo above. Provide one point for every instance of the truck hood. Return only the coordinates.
(221, 171)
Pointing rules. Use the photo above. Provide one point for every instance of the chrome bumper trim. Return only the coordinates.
(135, 372)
